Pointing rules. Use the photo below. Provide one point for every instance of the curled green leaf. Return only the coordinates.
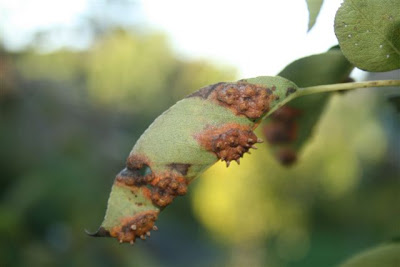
(214, 123)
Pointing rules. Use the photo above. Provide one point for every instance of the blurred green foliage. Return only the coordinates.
(69, 119)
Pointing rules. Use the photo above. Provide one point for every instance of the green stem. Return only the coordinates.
(333, 87)
(345, 86)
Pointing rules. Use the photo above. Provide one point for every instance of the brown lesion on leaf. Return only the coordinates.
(205, 91)
(131, 178)
(137, 226)
(228, 142)
(182, 168)
(290, 91)
(137, 171)
(282, 130)
(250, 100)
(166, 187)
(161, 187)
(137, 162)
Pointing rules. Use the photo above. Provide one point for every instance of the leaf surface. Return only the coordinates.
(369, 33)
(214, 123)
(314, 7)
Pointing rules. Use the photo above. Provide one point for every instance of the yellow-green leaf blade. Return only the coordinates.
(314, 6)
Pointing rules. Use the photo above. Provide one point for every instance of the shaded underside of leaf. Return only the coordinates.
(369, 33)
(314, 6)
(291, 126)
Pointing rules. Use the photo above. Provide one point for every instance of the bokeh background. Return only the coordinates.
(81, 80)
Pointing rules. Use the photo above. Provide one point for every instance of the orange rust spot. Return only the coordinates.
(147, 193)
(229, 142)
(161, 190)
(244, 98)
(166, 187)
(134, 226)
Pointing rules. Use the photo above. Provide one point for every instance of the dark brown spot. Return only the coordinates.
(137, 171)
(136, 162)
(182, 168)
(204, 92)
(290, 90)
(134, 177)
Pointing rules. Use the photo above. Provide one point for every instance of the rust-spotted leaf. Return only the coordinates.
(214, 123)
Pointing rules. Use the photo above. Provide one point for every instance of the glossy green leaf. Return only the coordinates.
(369, 33)
(314, 6)
(287, 135)
(383, 256)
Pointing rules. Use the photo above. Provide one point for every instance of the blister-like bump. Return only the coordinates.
(166, 188)
(229, 142)
(243, 98)
(136, 226)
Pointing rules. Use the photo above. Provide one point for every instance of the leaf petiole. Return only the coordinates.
(345, 86)
(334, 87)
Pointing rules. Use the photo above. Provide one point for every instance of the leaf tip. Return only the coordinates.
(101, 232)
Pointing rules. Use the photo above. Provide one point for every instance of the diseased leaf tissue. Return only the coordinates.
(214, 123)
